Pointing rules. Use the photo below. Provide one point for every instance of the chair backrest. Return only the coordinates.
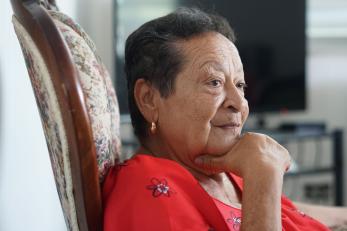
(77, 105)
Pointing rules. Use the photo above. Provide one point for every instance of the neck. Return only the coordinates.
(218, 185)
(200, 176)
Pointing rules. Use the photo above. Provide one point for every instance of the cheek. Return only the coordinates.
(190, 117)
(202, 112)
(204, 109)
(199, 124)
(193, 122)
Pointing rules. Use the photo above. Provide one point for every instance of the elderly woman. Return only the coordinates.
(195, 171)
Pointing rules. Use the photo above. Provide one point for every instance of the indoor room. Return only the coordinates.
(66, 69)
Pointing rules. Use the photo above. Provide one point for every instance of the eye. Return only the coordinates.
(242, 86)
(215, 83)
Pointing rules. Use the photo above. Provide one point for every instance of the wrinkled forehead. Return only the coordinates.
(211, 50)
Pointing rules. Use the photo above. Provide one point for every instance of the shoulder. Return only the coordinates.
(147, 192)
(141, 173)
(137, 176)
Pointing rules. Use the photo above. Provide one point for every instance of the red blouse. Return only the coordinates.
(149, 193)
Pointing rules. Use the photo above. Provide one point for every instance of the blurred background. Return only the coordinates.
(305, 72)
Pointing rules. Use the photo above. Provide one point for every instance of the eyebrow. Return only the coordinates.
(216, 65)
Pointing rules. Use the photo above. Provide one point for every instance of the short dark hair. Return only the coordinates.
(151, 53)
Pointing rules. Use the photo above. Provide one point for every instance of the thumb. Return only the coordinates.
(210, 163)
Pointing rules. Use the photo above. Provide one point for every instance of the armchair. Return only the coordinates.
(77, 105)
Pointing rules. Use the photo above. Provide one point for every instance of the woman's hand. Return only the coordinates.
(261, 162)
(253, 153)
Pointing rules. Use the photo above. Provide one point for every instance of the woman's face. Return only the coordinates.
(207, 109)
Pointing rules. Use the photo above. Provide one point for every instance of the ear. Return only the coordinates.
(146, 99)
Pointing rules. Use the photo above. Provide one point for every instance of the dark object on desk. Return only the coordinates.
(272, 51)
(303, 127)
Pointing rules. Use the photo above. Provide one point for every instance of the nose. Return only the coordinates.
(235, 99)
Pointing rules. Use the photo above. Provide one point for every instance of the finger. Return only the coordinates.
(211, 163)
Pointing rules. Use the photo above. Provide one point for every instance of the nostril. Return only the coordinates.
(233, 108)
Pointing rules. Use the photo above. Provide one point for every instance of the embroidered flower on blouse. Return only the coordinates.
(235, 221)
(159, 187)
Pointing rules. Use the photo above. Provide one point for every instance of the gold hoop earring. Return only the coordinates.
(153, 127)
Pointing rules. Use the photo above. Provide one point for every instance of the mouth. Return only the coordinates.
(228, 125)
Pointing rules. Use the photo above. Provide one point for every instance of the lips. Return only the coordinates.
(228, 125)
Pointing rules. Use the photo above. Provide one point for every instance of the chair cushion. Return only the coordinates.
(52, 123)
(99, 97)
(98, 90)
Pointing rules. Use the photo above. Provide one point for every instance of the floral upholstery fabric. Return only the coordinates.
(52, 123)
(99, 93)
(100, 99)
